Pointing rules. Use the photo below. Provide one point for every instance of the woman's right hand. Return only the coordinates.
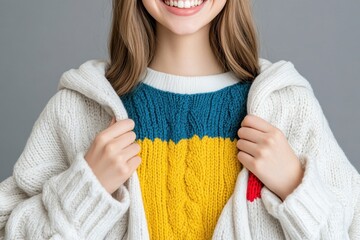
(113, 154)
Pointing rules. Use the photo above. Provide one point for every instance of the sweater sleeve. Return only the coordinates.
(328, 195)
(47, 198)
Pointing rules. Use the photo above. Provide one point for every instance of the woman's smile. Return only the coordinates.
(183, 8)
(183, 3)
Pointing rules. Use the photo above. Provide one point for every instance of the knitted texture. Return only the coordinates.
(53, 194)
(189, 164)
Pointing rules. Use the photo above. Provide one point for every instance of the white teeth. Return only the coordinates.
(187, 4)
(183, 3)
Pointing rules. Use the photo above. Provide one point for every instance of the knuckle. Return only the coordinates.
(240, 131)
(137, 147)
(258, 152)
(133, 135)
(129, 136)
(121, 158)
(262, 153)
(138, 159)
(240, 155)
(100, 138)
(239, 143)
(270, 140)
(109, 148)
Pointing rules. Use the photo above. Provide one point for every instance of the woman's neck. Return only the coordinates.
(185, 55)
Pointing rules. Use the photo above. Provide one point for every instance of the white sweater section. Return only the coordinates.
(188, 84)
(53, 193)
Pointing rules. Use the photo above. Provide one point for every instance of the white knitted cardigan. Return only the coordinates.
(53, 193)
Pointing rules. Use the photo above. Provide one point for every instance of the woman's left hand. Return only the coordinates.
(265, 151)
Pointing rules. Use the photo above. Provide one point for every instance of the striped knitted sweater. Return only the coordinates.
(53, 193)
(187, 130)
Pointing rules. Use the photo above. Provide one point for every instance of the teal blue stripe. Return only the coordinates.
(168, 115)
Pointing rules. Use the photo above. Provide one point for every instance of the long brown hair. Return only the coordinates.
(233, 39)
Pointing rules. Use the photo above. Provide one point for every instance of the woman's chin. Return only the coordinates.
(182, 27)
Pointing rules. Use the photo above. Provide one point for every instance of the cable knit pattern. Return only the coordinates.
(53, 193)
(188, 144)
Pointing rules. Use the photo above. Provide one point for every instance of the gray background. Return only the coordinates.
(39, 40)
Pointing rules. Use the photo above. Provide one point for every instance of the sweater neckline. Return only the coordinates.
(188, 84)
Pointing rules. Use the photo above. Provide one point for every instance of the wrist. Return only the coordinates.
(292, 185)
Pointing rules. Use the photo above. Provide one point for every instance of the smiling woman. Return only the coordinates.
(184, 133)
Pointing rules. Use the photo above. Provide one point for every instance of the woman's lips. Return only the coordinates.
(186, 10)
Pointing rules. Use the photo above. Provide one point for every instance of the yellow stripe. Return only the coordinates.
(186, 185)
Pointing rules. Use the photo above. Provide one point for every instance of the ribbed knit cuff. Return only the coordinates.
(84, 202)
(304, 212)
